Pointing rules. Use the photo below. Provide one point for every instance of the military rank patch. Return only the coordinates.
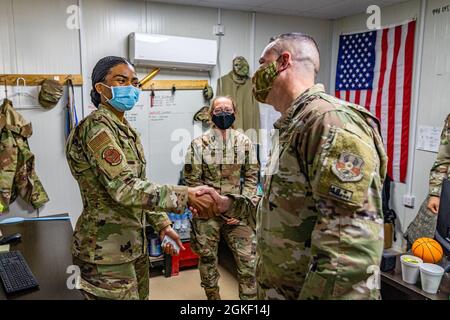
(348, 167)
(112, 156)
(340, 193)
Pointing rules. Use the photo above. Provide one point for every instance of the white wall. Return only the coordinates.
(35, 39)
(433, 94)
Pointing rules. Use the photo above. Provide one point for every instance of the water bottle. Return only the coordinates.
(185, 221)
(155, 246)
(177, 222)
(259, 190)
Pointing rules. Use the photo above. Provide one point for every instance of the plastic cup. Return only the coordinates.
(430, 277)
(410, 268)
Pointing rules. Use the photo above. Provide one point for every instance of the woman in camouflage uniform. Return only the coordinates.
(106, 157)
(220, 159)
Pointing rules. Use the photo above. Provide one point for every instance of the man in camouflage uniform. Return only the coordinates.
(319, 224)
(219, 158)
(106, 158)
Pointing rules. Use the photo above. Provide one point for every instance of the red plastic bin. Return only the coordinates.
(186, 258)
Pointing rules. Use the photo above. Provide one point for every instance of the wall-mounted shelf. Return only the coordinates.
(36, 79)
(179, 84)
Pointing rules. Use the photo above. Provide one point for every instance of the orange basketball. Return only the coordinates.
(427, 249)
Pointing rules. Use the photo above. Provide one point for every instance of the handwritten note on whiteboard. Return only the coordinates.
(428, 138)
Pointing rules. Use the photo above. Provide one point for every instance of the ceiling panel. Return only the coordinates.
(327, 9)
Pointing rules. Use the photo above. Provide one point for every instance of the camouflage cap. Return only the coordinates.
(203, 115)
(51, 92)
(208, 93)
(240, 66)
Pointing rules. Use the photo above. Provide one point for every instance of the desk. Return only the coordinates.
(46, 246)
(394, 288)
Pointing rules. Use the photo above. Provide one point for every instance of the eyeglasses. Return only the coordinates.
(218, 110)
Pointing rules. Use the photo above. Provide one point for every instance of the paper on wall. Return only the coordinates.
(428, 138)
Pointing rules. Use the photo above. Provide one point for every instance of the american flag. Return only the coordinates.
(374, 69)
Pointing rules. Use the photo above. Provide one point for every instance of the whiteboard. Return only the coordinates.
(166, 130)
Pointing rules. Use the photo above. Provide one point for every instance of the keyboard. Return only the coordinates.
(15, 273)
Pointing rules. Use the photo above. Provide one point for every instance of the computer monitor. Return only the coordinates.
(442, 234)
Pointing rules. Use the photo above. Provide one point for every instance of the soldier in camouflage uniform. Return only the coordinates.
(319, 224)
(424, 224)
(106, 158)
(440, 169)
(219, 158)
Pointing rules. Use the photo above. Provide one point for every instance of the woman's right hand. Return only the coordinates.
(433, 204)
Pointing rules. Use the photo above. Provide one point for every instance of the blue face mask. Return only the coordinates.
(124, 98)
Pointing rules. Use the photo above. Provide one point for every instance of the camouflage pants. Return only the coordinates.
(205, 236)
(127, 281)
(423, 225)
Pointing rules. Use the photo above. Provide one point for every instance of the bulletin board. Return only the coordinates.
(166, 130)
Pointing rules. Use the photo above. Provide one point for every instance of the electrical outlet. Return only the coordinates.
(408, 200)
(219, 30)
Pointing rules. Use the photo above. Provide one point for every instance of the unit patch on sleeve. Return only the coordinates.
(348, 167)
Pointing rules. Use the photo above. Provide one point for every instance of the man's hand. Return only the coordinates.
(168, 248)
(222, 203)
(433, 204)
(201, 203)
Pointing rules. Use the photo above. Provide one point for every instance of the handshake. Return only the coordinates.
(205, 202)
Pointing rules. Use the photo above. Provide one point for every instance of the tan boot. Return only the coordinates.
(212, 293)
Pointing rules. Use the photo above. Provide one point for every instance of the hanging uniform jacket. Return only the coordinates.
(17, 173)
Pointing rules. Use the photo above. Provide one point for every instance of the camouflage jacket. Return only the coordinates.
(319, 224)
(106, 158)
(17, 172)
(221, 165)
(441, 168)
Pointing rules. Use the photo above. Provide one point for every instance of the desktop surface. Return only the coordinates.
(46, 247)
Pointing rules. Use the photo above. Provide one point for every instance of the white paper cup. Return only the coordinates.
(430, 277)
(410, 268)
